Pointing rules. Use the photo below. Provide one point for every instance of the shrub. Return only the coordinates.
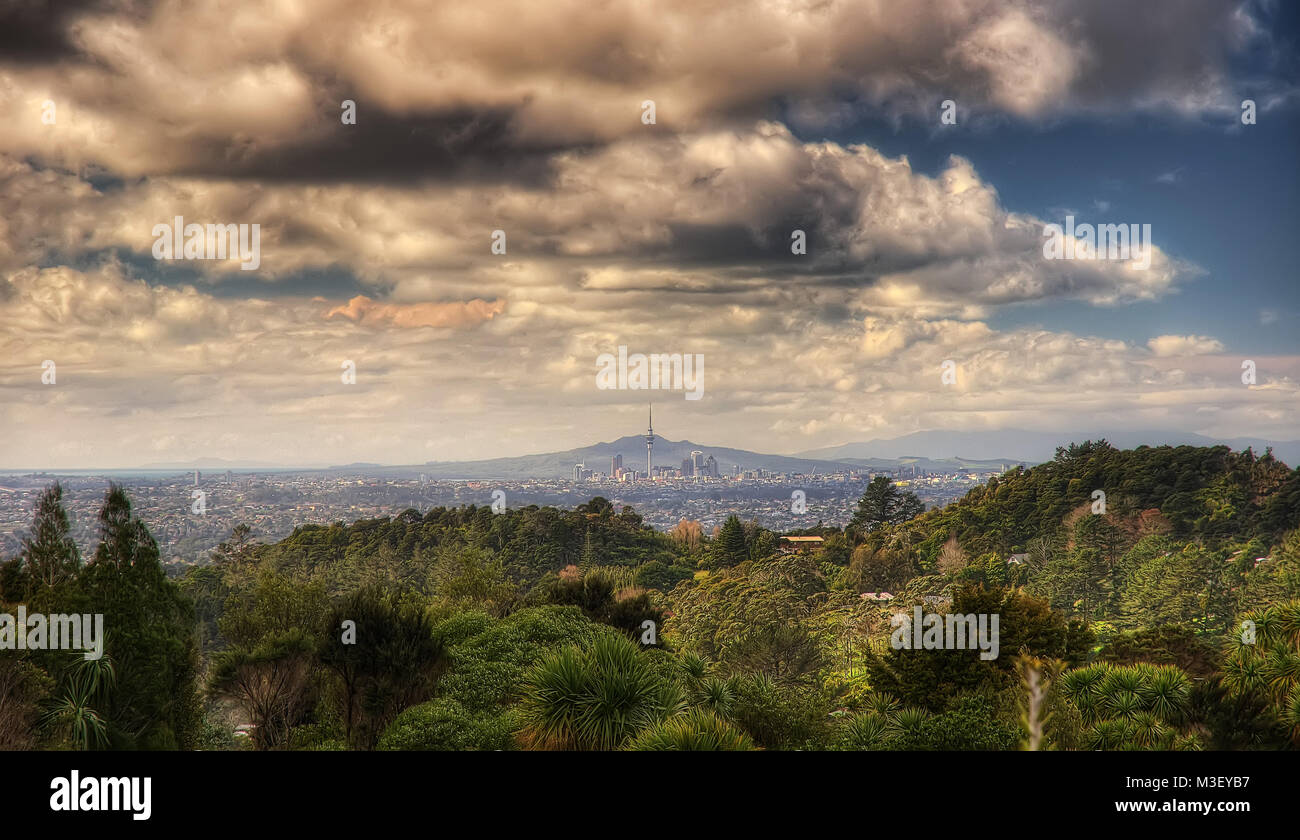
(444, 725)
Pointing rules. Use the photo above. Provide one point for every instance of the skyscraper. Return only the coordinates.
(615, 464)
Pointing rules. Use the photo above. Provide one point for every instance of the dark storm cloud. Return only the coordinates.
(1157, 50)
(454, 145)
(36, 30)
(40, 31)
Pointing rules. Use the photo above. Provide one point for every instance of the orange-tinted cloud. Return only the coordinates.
(363, 310)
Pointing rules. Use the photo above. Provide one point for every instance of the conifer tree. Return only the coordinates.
(150, 632)
(49, 551)
(729, 547)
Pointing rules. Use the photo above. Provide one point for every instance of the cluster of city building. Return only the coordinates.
(696, 466)
(272, 504)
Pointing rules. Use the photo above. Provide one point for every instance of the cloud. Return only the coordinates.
(365, 311)
(673, 237)
(698, 214)
(1184, 345)
(142, 367)
(491, 91)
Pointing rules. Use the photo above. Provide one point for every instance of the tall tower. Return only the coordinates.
(649, 444)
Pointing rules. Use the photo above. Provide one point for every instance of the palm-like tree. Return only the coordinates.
(1269, 663)
(1131, 707)
(698, 730)
(72, 715)
(881, 723)
(595, 699)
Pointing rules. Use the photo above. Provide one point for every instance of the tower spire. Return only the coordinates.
(649, 444)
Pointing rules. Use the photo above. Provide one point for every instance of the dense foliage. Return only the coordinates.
(1148, 599)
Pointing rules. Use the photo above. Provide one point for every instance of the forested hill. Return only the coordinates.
(1165, 619)
(525, 544)
(1209, 493)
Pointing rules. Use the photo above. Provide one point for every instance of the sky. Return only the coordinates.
(921, 147)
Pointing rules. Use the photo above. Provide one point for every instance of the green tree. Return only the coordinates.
(49, 552)
(385, 660)
(71, 716)
(884, 504)
(728, 547)
(150, 630)
(23, 689)
(932, 678)
(1143, 707)
(595, 699)
(1263, 658)
(271, 681)
(784, 652)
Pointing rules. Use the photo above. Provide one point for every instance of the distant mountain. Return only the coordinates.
(666, 452)
(1031, 447)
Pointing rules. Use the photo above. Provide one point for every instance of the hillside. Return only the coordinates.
(1030, 446)
(1164, 621)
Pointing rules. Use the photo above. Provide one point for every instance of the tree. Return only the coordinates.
(1263, 658)
(443, 724)
(951, 558)
(1176, 587)
(49, 552)
(595, 699)
(784, 652)
(72, 718)
(880, 569)
(713, 614)
(883, 504)
(728, 547)
(388, 660)
(931, 678)
(597, 595)
(236, 550)
(23, 687)
(1143, 707)
(273, 605)
(688, 534)
(588, 559)
(270, 681)
(472, 578)
(150, 629)
(598, 506)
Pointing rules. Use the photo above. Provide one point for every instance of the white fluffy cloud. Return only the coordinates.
(152, 373)
(1184, 345)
